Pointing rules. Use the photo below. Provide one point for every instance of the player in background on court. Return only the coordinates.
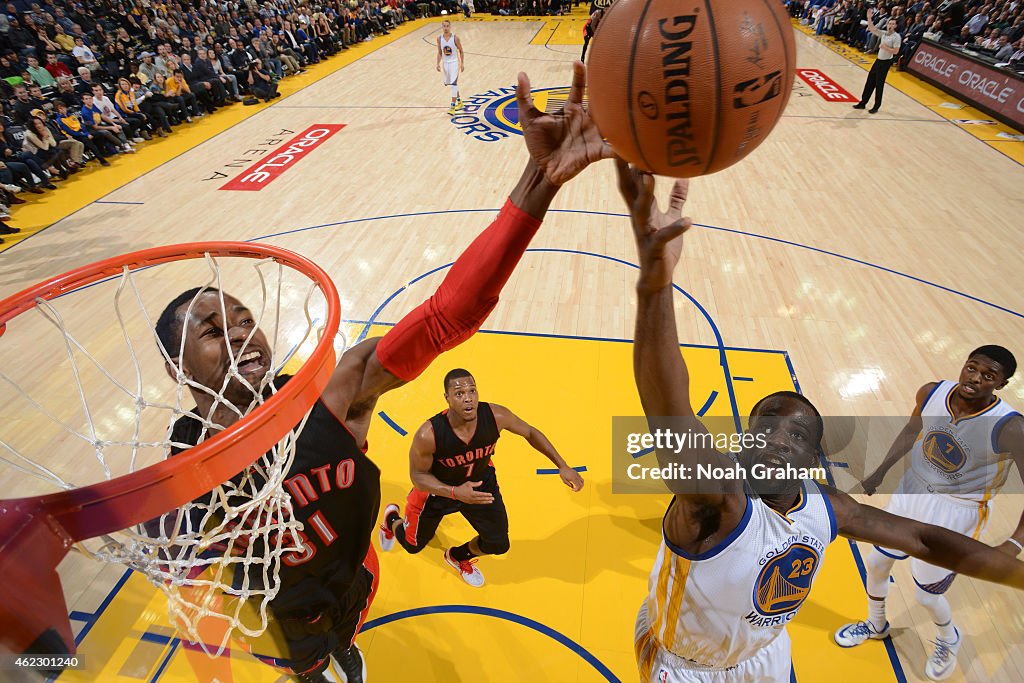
(451, 469)
(589, 29)
(963, 440)
(738, 557)
(326, 590)
(449, 63)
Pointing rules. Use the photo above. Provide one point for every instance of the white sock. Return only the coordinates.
(876, 614)
(938, 609)
(879, 567)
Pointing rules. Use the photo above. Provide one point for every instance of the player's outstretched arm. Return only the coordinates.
(506, 419)
(658, 367)
(903, 442)
(926, 542)
(421, 457)
(560, 145)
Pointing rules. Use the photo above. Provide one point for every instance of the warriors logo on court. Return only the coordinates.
(784, 583)
(944, 452)
(494, 115)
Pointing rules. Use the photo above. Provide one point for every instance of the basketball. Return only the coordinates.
(688, 89)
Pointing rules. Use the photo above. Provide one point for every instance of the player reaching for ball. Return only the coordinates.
(449, 63)
(738, 557)
(326, 590)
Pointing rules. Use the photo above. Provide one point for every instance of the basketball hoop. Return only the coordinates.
(200, 524)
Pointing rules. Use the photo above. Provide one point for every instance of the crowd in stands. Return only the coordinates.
(80, 82)
(992, 29)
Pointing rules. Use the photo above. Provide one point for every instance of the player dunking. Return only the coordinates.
(325, 591)
(450, 62)
(962, 440)
(737, 561)
(451, 468)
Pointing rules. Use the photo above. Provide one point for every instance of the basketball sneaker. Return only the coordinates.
(942, 662)
(351, 663)
(385, 533)
(459, 104)
(325, 676)
(451, 109)
(853, 635)
(466, 569)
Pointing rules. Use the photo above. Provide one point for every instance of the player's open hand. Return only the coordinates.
(571, 478)
(566, 142)
(467, 493)
(658, 233)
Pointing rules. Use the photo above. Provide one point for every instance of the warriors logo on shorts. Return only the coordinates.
(943, 451)
(785, 581)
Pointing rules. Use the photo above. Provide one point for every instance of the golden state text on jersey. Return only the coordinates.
(960, 456)
(724, 605)
(785, 579)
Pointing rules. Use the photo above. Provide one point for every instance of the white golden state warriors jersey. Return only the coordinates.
(960, 457)
(721, 607)
(448, 52)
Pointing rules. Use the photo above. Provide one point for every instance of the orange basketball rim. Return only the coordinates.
(36, 533)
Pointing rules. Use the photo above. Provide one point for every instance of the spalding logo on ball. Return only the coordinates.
(684, 89)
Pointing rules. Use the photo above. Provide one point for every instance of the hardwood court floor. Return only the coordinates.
(858, 257)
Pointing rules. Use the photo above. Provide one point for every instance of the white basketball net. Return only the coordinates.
(217, 557)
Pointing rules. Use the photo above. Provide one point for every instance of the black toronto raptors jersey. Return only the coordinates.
(335, 492)
(455, 461)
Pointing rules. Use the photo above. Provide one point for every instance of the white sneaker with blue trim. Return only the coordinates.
(942, 663)
(853, 635)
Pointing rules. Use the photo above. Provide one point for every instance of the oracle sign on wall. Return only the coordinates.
(997, 91)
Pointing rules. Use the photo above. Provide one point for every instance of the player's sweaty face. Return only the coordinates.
(462, 397)
(213, 336)
(980, 377)
(788, 430)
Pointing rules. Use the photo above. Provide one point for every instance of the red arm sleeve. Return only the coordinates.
(463, 300)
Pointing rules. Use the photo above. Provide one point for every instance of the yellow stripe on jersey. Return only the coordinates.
(682, 571)
(661, 592)
(997, 481)
(646, 652)
(982, 519)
